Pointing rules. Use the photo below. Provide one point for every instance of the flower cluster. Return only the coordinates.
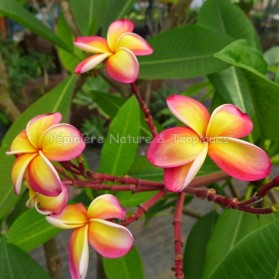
(46, 140)
(119, 50)
(181, 151)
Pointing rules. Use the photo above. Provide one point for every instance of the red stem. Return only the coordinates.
(146, 111)
(143, 208)
(178, 243)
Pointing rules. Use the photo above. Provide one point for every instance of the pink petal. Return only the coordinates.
(174, 147)
(106, 207)
(93, 44)
(228, 121)
(123, 66)
(72, 216)
(190, 112)
(20, 165)
(39, 124)
(62, 142)
(135, 43)
(177, 178)
(21, 144)
(91, 62)
(79, 253)
(240, 159)
(116, 29)
(48, 205)
(109, 239)
(43, 177)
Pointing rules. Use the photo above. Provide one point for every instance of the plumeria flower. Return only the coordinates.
(119, 50)
(181, 151)
(45, 139)
(107, 238)
(47, 205)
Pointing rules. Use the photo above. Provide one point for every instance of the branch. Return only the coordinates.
(143, 208)
(146, 111)
(178, 243)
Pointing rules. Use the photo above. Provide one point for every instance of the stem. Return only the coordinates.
(54, 262)
(178, 243)
(146, 111)
(143, 208)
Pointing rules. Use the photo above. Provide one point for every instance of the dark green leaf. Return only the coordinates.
(255, 256)
(30, 230)
(16, 12)
(120, 146)
(69, 60)
(265, 95)
(127, 267)
(226, 18)
(183, 52)
(194, 253)
(234, 88)
(14, 264)
(230, 228)
(58, 99)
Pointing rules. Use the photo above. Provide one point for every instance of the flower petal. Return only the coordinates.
(79, 253)
(135, 43)
(90, 62)
(190, 112)
(240, 159)
(177, 178)
(109, 239)
(20, 165)
(37, 125)
(93, 44)
(43, 177)
(48, 205)
(174, 147)
(116, 29)
(106, 207)
(123, 66)
(62, 142)
(72, 216)
(228, 121)
(21, 144)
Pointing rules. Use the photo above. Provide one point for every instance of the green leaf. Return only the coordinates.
(234, 88)
(69, 60)
(14, 263)
(226, 18)
(58, 99)
(30, 230)
(230, 228)
(194, 253)
(183, 52)
(120, 146)
(264, 93)
(271, 56)
(127, 267)
(240, 53)
(255, 256)
(16, 12)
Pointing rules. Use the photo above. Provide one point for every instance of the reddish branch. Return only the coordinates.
(178, 243)
(145, 109)
(143, 208)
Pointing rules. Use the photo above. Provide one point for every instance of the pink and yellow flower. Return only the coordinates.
(107, 238)
(181, 151)
(119, 50)
(45, 139)
(47, 205)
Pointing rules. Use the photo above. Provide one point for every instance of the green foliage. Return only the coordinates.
(30, 230)
(121, 144)
(14, 263)
(127, 267)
